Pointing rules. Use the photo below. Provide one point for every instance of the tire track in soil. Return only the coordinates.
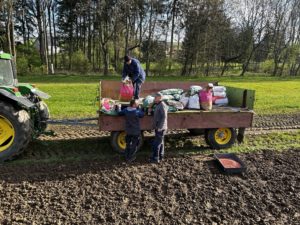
(261, 124)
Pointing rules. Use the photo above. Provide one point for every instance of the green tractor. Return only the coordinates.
(23, 113)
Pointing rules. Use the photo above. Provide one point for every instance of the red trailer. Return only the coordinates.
(222, 126)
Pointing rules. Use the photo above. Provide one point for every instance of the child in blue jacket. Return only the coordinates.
(133, 129)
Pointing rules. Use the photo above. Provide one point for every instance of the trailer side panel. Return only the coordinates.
(199, 120)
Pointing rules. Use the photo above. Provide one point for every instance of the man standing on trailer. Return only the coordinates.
(133, 69)
(160, 125)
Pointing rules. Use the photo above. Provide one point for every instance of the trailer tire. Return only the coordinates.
(220, 138)
(118, 142)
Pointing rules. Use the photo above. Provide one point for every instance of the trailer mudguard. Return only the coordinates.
(21, 100)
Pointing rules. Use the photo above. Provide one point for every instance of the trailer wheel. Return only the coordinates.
(220, 138)
(118, 142)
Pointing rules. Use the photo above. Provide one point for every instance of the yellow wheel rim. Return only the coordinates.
(7, 134)
(122, 140)
(223, 136)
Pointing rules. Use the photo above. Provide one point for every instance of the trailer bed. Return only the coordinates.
(238, 115)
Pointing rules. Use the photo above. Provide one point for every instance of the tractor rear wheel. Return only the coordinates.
(118, 141)
(220, 138)
(15, 131)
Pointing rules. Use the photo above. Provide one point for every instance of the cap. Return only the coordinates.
(158, 94)
(210, 85)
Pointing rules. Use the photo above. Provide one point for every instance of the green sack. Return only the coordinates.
(177, 97)
(167, 98)
(110, 112)
(148, 101)
(172, 109)
(195, 89)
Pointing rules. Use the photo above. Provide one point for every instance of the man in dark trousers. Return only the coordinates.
(132, 128)
(160, 125)
(133, 69)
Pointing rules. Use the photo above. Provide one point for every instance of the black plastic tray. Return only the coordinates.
(230, 170)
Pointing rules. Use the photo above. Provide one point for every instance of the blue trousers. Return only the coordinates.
(132, 143)
(137, 88)
(158, 146)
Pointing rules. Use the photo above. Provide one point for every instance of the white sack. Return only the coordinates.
(194, 102)
(221, 101)
(184, 99)
(220, 94)
(219, 89)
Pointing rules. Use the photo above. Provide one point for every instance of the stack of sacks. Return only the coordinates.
(219, 96)
(194, 102)
(170, 96)
(174, 92)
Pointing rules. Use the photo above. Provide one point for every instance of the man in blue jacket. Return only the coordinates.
(132, 128)
(133, 69)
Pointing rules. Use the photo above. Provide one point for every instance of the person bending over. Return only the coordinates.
(133, 69)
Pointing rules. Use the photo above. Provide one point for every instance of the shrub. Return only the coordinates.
(80, 62)
(22, 65)
(267, 66)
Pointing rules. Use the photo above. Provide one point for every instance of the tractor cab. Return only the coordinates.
(7, 70)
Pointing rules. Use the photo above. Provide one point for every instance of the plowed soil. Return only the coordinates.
(181, 190)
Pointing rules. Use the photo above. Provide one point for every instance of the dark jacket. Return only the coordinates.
(160, 119)
(132, 125)
(134, 71)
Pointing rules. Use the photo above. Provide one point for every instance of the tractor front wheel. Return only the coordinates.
(15, 131)
(44, 114)
(220, 138)
(118, 141)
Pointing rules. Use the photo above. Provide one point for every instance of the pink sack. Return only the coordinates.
(126, 92)
(107, 104)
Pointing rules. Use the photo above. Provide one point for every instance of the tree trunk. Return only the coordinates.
(172, 32)
(24, 27)
(246, 64)
(51, 38)
(46, 43)
(8, 27)
(89, 48)
(40, 32)
(151, 27)
(54, 37)
(105, 59)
